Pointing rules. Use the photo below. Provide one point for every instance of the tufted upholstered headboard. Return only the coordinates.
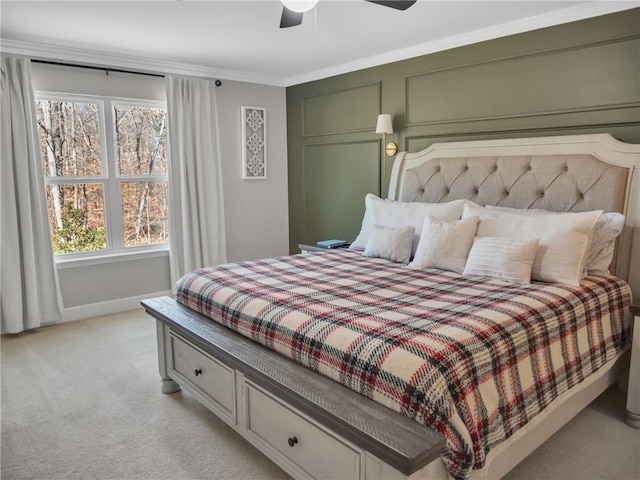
(565, 174)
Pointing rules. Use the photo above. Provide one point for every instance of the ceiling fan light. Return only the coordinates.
(299, 6)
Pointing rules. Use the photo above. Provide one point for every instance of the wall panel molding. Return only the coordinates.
(417, 142)
(336, 178)
(563, 80)
(324, 113)
(581, 77)
(529, 115)
(602, 119)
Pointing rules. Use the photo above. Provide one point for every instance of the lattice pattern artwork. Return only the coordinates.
(254, 143)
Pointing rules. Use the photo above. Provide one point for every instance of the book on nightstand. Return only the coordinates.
(332, 244)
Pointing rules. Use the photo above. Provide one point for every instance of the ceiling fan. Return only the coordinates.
(293, 10)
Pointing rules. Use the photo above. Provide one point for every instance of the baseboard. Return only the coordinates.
(105, 308)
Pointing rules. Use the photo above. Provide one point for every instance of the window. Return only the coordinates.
(105, 167)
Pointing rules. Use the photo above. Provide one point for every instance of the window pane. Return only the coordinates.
(145, 208)
(76, 217)
(141, 140)
(69, 135)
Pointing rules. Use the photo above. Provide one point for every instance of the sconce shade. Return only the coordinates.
(384, 124)
(299, 6)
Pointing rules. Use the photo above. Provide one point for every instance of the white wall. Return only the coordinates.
(256, 210)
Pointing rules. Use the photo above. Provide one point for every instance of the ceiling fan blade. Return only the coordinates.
(290, 18)
(397, 4)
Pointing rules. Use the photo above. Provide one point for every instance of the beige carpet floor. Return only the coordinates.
(82, 401)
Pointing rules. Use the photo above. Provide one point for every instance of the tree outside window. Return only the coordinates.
(105, 167)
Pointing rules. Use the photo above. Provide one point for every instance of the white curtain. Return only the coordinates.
(196, 206)
(28, 287)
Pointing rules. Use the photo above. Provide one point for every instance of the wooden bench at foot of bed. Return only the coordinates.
(308, 424)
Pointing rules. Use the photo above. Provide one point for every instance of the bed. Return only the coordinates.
(360, 366)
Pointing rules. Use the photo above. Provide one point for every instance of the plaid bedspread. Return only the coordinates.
(475, 360)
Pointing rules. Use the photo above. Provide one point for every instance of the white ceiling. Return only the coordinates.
(240, 40)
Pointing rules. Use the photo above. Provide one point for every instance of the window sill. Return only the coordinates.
(110, 257)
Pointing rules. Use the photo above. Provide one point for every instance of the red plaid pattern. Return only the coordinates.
(473, 359)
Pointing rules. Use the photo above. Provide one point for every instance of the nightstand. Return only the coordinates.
(313, 248)
(310, 248)
(633, 393)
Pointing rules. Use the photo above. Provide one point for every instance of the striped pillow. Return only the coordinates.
(504, 258)
(564, 239)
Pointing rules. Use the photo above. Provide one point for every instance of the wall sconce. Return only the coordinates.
(385, 126)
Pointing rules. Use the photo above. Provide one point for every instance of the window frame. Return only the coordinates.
(111, 180)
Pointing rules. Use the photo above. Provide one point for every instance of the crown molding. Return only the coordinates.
(567, 15)
(82, 56)
(40, 51)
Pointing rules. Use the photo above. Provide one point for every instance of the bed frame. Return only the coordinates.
(313, 427)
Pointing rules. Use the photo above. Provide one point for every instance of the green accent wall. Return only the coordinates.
(578, 78)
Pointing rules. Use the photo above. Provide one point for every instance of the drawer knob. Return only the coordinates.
(292, 441)
(198, 371)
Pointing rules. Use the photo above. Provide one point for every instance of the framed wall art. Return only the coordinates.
(254, 143)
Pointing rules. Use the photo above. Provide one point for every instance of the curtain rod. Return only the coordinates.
(105, 69)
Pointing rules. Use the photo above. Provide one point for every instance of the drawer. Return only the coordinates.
(204, 374)
(316, 451)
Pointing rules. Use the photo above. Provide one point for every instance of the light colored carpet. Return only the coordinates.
(82, 401)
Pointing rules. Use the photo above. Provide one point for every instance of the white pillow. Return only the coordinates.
(564, 238)
(445, 245)
(603, 237)
(390, 213)
(603, 242)
(391, 243)
(504, 258)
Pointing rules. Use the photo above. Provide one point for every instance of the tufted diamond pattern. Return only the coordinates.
(570, 183)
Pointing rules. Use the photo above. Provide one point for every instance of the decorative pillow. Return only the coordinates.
(390, 213)
(603, 237)
(504, 258)
(391, 243)
(445, 245)
(603, 242)
(564, 239)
